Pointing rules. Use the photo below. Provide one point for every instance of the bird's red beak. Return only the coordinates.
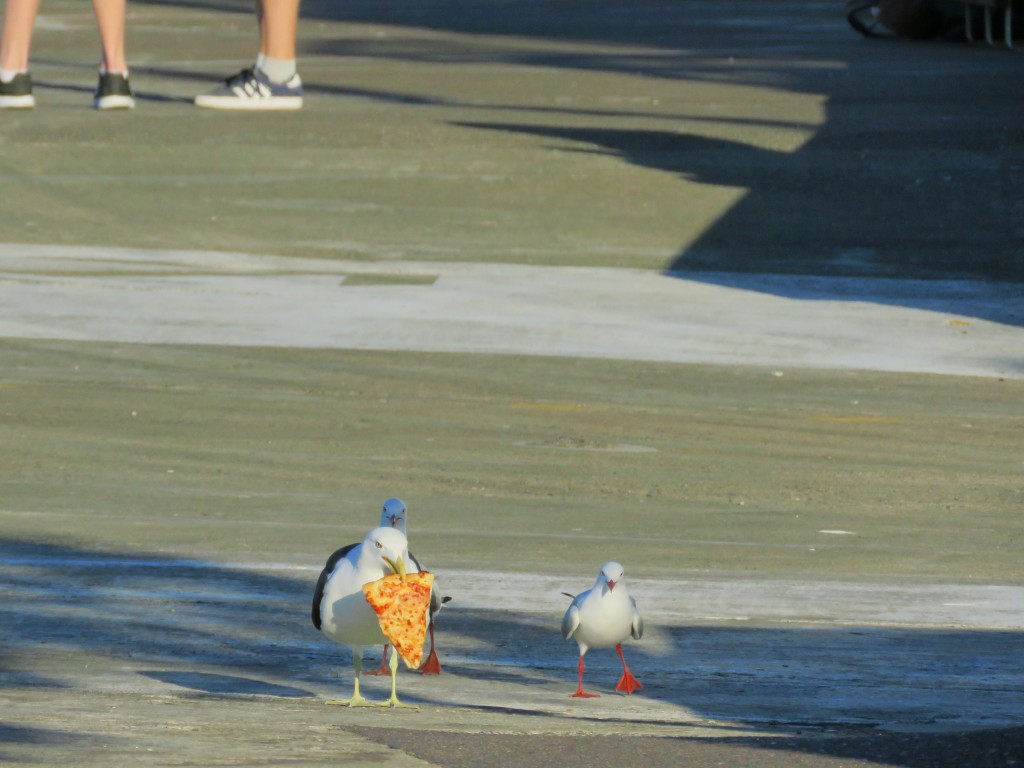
(611, 584)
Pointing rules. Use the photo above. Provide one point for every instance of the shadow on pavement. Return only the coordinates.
(21, 734)
(988, 749)
(226, 685)
(182, 618)
(915, 172)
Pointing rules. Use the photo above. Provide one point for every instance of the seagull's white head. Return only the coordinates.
(388, 548)
(611, 574)
(392, 515)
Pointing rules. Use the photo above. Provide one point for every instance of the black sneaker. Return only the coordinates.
(17, 94)
(113, 92)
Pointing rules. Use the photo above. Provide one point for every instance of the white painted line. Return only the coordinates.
(184, 297)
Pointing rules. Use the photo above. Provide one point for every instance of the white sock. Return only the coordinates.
(278, 70)
(260, 59)
(6, 75)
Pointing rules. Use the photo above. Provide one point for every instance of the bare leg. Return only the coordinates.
(627, 682)
(279, 23)
(580, 693)
(16, 39)
(110, 22)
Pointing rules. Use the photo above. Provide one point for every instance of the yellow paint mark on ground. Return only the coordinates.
(368, 278)
(569, 407)
(858, 419)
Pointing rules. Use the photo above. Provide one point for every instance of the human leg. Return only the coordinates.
(279, 28)
(16, 38)
(112, 91)
(15, 42)
(110, 20)
(273, 83)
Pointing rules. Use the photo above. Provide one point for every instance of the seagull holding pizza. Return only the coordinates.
(602, 617)
(393, 515)
(359, 597)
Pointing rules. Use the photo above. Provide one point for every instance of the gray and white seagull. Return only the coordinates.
(603, 617)
(394, 514)
(340, 609)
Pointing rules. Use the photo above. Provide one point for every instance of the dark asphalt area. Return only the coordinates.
(1003, 748)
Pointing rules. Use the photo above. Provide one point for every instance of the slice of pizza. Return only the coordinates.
(402, 606)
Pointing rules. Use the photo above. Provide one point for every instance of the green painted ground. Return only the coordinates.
(276, 454)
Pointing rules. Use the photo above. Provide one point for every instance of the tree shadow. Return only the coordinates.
(872, 258)
(916, 172)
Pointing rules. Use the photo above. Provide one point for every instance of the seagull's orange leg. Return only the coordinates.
(580, 693)
(431, 666)
(383, 668)
(627, 682)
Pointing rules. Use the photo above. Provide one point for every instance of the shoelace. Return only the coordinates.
(242, 77)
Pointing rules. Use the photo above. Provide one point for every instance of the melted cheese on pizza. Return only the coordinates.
(403, 609)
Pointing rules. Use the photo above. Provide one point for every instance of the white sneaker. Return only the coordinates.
(251, 89)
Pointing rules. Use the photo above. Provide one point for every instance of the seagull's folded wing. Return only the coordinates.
(571, 621)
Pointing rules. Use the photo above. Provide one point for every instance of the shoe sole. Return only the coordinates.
(18, 102)
(235, 104)
(114, 102)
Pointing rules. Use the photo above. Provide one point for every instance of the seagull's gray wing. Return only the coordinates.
(318, 593)
(637, 628)
(571, 621)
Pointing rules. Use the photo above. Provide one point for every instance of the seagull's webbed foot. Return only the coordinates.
(393, 699)
(432, 666)
(627, 683)
(355, 701)
(394, 703)
(383, 668)
(580, 693)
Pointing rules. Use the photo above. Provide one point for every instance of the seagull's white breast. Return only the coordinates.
(605, 619)
(346, 616)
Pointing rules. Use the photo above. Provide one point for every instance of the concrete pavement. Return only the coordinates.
(653, 186)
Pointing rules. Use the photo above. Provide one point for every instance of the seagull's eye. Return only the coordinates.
(379, 545)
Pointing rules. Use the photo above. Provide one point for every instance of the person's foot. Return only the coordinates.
(251, 89)
(17, 93)
(113, 92)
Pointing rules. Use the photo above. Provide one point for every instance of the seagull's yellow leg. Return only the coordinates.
(357, 700)
(393, 701)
